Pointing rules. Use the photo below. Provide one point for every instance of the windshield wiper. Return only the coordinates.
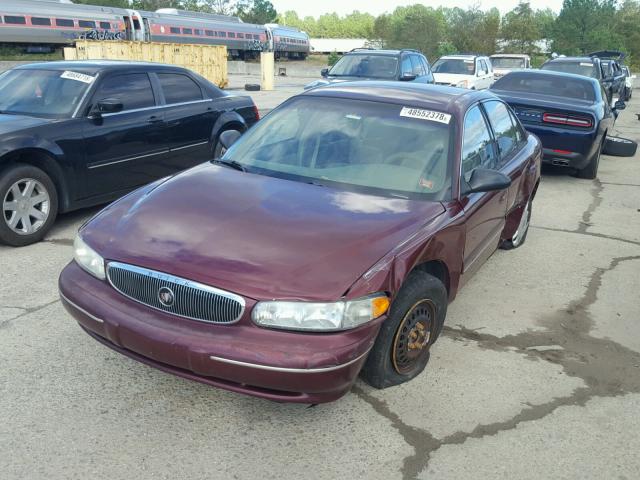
(230, 163)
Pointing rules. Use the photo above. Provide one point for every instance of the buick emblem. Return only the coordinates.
(166, 296)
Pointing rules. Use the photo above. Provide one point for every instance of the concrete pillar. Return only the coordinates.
(267, 66)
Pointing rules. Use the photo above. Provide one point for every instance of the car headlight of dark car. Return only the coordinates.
(316, 316)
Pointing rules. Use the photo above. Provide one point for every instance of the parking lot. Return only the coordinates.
(537, 374)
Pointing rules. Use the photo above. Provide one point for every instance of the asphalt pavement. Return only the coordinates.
(537, 374)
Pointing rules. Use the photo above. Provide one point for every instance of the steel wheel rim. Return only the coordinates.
(523, 226)
(26, 206)
(413, 338)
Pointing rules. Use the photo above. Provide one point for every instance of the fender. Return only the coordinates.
(230, 118)
(44, 154)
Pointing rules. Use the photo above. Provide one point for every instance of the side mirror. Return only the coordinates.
(486, 180)
(228, 138)
(324, 72)
(619, 105)
(407, 77)
(109, 105)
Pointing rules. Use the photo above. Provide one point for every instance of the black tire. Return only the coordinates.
(252, 87)
(519, 237)
(590, 172)
(20, 174)
(421, 300)
(620, 147)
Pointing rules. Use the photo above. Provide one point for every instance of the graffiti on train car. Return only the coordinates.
(95, 35)
(257, 46)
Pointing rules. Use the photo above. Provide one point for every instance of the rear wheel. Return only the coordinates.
(29, 205)
(402, 348)
(520, 234)
(590, 172)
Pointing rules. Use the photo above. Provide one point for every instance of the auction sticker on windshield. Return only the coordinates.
(425, 114)
(80, 77)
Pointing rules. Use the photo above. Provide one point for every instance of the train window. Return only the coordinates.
(174, 30)
(210, 33)
(256, 37)
(232, 35)
(136, 24)
(179, 88)
(64, 22)
(86, 23)
(222, 34)
(187, 31)
(197, 31)
(132, 89)
(12, 19)
(105, 25)
(40, 21)
(240, 35)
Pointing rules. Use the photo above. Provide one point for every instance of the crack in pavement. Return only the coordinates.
(59, 241)
(590, 234)
(607, 368)
(595, 203)
(26, 311)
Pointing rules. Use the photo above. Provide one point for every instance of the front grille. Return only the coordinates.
(175, 295)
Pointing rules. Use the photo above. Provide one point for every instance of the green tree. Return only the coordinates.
(473, 30)
(256, 11)
(520, 31)
(152, 5)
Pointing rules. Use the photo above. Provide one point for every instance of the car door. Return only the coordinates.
(484, 211)
(486, 76)
(190, 116)
(417, 68)
(124, 149)
(509, 138)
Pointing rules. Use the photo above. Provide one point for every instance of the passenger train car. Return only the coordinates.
(50, 24)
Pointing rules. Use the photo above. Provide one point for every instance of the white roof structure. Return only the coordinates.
(338, 45)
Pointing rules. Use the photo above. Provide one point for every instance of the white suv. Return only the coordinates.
(465, 71)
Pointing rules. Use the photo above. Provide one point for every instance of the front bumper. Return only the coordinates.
(276, 365)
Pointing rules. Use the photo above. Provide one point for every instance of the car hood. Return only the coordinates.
(451, 78)
(258, 236)
(10, 123)
(329, 80)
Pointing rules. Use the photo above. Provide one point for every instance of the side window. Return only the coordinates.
(483, 67)
(503, 128)
(425, 65)
(520, 136)
(406, 66)
(417, 67)
(477, 144)
(179, 88)
(133, 90)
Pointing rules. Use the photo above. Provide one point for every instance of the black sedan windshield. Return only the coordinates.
(367, 66)
(358, 145)
(42, 93)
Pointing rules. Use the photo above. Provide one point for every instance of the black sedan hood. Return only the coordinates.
(13, 123)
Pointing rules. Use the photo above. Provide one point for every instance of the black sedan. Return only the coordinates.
(77, 134)
(569, 113)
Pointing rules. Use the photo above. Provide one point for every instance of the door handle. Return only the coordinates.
(153, 119)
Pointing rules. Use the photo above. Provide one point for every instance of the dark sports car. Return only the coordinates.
(568, 112)
(76, 134)
(328, 240)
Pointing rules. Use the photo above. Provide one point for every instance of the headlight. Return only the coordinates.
(320, 316)
(463, 84)
(87, 258)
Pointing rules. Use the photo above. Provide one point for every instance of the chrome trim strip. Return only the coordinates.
(156, 107)
(189, 146)
(289, 370)
(126, 159)
(180, 281)
(80, 309)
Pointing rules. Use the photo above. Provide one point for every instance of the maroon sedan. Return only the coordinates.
(326, 242)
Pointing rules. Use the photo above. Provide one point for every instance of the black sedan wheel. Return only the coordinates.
(29, 205)
(416, 317)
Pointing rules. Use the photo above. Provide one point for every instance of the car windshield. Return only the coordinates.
(585, 68)
(455, 65)
(507, 62)
(546, 84)
(371, 147)
(42, 93)
(364, 65)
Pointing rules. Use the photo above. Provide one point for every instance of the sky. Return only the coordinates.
(315, 8)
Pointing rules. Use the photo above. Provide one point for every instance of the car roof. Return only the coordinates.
(573, 59)
(551, 73)
(469, 56)
(369, 51)
(94, 66)
(510, 55)
(446, 99)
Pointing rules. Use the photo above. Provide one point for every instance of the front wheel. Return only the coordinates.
(416, 317)
(29, 205)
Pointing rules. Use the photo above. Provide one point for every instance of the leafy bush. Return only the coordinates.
(333, 58)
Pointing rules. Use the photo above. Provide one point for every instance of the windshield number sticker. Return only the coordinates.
(425, 115)
(79, 77)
